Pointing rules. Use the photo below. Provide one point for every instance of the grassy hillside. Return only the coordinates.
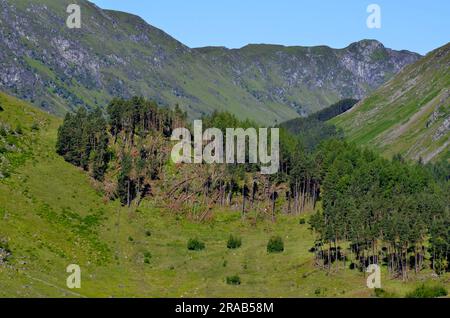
(309, 79)
(116, 54)
(410, 114)
(52, 216)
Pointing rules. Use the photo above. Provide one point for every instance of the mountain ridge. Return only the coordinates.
(119, 54)
(296, 46)
(408, 115)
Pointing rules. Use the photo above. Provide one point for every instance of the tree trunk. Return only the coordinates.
(289, 202)
(305, 185)
(243, 201)
(128, 193)
(329, 257)
(273, 207)
(296, 197)
(314, 195)
(253, 193)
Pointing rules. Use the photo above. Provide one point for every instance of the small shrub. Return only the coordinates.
(3, 130)
(35, 127)
(19, 129)
(425, 291)
(1, 108)
(302, 221)
(5, 251)
(148, 255)
(233, 280)
(4, 245)
(381, 293)
(148, 233)
(234, 242)
(224, 264)
(131, 239)
(275, 245)
(319, 291)
(195, 245)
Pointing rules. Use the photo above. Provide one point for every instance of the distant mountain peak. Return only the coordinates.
(410, 114)
(117, 54)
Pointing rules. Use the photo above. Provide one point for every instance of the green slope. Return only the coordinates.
(309, 79)
(410, 114)
(116, 54)
(52, 216)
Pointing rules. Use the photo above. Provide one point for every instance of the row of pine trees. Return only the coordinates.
(374, 210)
(377, 211)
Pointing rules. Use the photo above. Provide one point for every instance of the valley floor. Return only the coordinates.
(51, 216)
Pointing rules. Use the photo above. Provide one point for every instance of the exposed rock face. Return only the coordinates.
(443, 130)
(118, 54)
(410, 114)
(307, 78)
(4, 254)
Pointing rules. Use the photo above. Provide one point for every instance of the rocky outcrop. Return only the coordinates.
(119, 54)
(442, 130)
(5, 252)
(409, 115)
(306, 77)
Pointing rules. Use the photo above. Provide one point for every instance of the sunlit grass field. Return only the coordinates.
(52, 216)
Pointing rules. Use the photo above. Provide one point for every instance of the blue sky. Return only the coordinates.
(419, 26)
